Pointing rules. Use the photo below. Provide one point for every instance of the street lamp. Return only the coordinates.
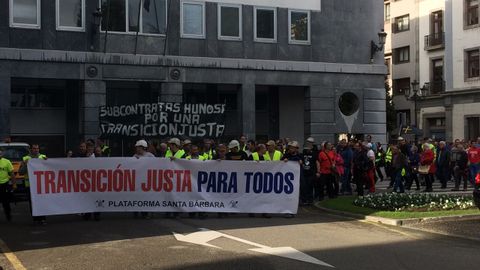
(374, 48)
(412, 93)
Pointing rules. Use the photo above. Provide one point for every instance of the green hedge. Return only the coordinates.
(421, 202)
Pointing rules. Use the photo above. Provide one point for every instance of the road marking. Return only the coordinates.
(204, 236)
(17, 265)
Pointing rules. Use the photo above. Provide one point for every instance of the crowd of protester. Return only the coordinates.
(327, 170)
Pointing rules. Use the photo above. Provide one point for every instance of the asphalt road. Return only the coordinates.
(119, 241)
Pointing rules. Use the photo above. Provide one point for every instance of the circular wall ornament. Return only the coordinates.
(92, 71)
(175, 74)
(348, 103)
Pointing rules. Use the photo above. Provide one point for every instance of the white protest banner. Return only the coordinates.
(68, 186)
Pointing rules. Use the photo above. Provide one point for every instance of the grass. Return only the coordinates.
(345, 204)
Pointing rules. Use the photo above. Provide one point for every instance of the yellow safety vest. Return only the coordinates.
(388, 155)
(179, 154)
(6, 168)
(277, 156)
(106, 150)
(25, 158)
(208, 155)
(256, 156)
(199, 158)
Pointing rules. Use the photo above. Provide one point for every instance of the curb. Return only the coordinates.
(398, 222)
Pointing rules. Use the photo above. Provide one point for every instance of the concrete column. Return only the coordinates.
(94, 95)
(172, 92)
(248, 110)
(449, 124)
(5, 98)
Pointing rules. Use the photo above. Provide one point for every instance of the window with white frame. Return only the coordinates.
(387, 12)
(25, 13)
(299, 30)
(473, 63)
(70, 15)
(471, 12)
(143, 16)
(229, 22)
(192, 19)
(265, 24)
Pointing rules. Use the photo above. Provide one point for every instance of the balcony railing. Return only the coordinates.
(436, 87)
(435, 41)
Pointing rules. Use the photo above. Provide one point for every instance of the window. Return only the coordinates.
(473, 63)
(401, 24)
(230, 22)
(387, 12)
(473, 128)
(70, 15)
(437, 85)
(265, 24)
(471, 12)
(403, 118)
(436, 122)
(299, 31)
(38, 93)
(400, 85)
(144, 16)
(192, 19)
(25, 13)
(402, 55)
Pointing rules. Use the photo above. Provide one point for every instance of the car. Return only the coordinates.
(15, 153)
(476, 192)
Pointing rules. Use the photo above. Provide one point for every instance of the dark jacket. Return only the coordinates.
(360, 161)
(399, 162)
(462, 160)
(443, 158)
(347, 155)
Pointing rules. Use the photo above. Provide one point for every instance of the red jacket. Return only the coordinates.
(325, 164)
(473, 155)
(339, 164)
(427, 158)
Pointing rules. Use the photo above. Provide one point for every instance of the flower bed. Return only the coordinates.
(415, 202)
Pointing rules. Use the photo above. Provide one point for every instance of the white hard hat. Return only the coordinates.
(233, 144)
(293, 144)
(141, 143)
(175, 141)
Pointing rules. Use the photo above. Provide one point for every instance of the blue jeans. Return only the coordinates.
(474, 169)
(346, 187)
(398, 182)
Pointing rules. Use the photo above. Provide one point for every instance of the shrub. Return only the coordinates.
(415, 202)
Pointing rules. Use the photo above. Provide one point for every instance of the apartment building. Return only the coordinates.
(446, 88)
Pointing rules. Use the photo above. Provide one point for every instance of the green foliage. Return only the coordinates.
(345, 204)
(391, 114)
(415, 202)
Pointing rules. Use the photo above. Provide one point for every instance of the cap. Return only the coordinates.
(175, 141)
(233, 144)
(293, 144)
(187, 141)
(310, 140)
(271, 143)
(141, 143)
(401, 139)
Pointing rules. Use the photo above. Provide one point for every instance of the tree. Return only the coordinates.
(391, 114)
